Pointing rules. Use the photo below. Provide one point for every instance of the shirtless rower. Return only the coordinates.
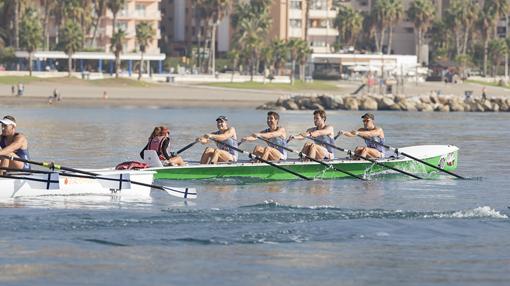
(221, 153)
(370, 133)
(12, 144)
(274, 134)
(321, 132)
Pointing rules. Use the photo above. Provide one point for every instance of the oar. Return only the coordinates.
(301, 154)
(414, 158)
(253, 156)
(363, 157)
(173, 154)
(188, 193)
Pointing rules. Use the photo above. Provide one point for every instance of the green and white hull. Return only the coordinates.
(444, 156)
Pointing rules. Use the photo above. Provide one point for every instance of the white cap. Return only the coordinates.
(6, 121)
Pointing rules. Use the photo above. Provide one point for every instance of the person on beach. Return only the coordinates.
(221, 153)
(274, 134)
(159, 141)
(321, 132)
(12, 145)
(369, 133)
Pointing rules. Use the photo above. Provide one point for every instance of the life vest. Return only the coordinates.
(131, 165)
(156, 144)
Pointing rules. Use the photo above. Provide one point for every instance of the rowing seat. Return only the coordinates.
(151, 158)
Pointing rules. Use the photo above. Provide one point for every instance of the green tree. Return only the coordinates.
(303, 54)
(144, 35)
(30, 35)
(497, 50)
(379, 13)
(99, 9)
(280, 52)
(486, 20)
(115, 6)
(421, 13)
(460, 17)
(394, 15)
(117, 46)
(348, 23)
(71, 41)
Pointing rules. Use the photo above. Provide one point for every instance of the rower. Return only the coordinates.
(274, 134)
(321, 132)
(159, 141)
(221, 153)
(370, 133)
(13, 144)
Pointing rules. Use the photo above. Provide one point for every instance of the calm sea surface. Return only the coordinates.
(389, 231)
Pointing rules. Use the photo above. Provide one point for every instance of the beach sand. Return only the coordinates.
(192, 95)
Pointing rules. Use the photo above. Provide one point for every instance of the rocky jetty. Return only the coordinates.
(424, 103)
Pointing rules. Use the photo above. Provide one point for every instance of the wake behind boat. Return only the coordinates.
(442, 156)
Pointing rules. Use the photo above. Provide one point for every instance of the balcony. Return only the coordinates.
(322, 32)
(322, 14)
(295, 32)
(295, 14)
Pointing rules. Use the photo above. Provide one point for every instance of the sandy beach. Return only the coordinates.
(164, 95)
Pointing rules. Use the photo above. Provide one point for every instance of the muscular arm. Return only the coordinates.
(328, 131)
(371, 133)
(280, 132)
(222, 137)
(18, 143)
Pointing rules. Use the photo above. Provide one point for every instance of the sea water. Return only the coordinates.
(392, 230)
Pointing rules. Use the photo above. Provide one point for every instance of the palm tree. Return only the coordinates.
(303, 53)
(421, 13)
(49, 8)
(280, 52)
(30, 34)
(99, 9)
(233, 55)
(251, 40)
(144, 35)
(461, 16)
(71, 41)
(379, 13)
(298, 51)
(497, 50)
(117, 42)
(115, 6)
(485, 22)
(395, 13)
(348, 23)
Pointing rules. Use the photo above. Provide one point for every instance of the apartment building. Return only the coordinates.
(133, 12)
(182, 27)
(289, 18)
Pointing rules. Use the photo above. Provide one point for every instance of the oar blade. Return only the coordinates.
(183, 193)
(120, 181)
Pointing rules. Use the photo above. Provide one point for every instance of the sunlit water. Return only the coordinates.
(392, 230)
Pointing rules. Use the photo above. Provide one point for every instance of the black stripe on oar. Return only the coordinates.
(363, 157)
(53, 166)
(301, 154)
(414, 158)
(253, 156)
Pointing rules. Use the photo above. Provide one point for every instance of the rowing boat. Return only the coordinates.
(112, 183)
(443, 156)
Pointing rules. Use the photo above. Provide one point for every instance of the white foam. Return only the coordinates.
(479, 212)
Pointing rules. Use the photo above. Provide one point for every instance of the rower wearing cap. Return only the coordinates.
(12, 144)
(321, 132)
(274, 134)
(222, 153)
(370, 133)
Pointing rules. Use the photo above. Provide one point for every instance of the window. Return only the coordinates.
(295, 5)
(140, 10)
(295, 23)
(318, 44)
(319, 4)
(409, 30)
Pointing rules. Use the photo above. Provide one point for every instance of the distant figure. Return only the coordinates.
(21, 89)
(484, 95)
(105, 95)
(54, 97)
(13, 90)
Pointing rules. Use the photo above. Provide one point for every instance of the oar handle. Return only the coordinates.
(253, 156)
